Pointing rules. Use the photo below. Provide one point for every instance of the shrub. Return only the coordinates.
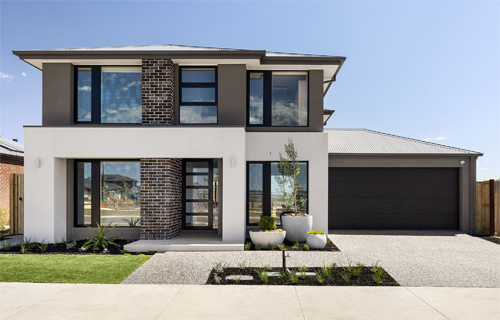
(43, 246)
(315, 232)
(306, 247)
(267, 223)
(100, 240)
(346, 277)
(242, 265)
(150, 252)
(4, 217)
(320, 278)
(294, 278)
(248, 246)
(281, 246)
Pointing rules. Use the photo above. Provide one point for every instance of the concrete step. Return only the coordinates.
(195, 244)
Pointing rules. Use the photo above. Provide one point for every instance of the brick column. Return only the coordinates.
(158, 92)
(161, 198)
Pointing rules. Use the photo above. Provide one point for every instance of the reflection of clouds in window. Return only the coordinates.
(289, 100)
(198, 94)
(84, 88)
(84, 95)
(121, 96)
(256, 110)
(198, 114)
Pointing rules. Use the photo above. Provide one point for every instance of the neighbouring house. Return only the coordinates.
(11, 162)
(166, 140)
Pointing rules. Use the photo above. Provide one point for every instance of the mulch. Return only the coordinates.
(364, 279)
(491, 239)
(62, 248)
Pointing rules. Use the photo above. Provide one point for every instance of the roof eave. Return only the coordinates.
(407, 154)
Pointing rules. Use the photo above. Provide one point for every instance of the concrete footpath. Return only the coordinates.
(171, 301)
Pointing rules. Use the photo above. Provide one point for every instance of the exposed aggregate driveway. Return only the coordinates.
(413, 258)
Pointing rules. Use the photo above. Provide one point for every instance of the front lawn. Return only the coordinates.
(57, 268)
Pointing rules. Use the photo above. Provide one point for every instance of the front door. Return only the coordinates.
(197, 194)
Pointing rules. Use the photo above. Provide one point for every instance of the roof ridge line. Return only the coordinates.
(420, 141)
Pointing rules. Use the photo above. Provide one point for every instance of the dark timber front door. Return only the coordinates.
(197, 194)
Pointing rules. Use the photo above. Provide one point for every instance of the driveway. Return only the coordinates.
(425, 258)
(416, 259)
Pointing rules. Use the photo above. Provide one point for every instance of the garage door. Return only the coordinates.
(393, 198)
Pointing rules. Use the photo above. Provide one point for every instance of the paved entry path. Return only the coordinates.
(417, 259)
(93, 301)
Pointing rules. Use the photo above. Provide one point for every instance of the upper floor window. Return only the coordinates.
(198, 95)
(109, 94)
(278, 98)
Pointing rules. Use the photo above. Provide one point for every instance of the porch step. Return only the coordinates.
(185, 243)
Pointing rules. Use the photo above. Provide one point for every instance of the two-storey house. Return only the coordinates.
(168, 140)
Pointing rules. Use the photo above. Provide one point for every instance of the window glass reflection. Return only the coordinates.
(199, 75)
(289, 99)
(256, 96)
(198, 114)
(255, 192)
(121, 95)
(120, 193)
(84, 94)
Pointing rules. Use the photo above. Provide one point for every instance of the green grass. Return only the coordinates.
(57, 268)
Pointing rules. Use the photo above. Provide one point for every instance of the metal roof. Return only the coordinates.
(363, 141)
(174, 47)
(11, 148)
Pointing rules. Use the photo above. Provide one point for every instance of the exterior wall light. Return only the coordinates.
(233, 162)
(462, 162)
(37, 162)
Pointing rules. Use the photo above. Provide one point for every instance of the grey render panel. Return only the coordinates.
(316, 100)
(363, 141)
(232, 95)
(57, 94)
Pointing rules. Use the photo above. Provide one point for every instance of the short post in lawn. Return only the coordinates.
(285, 269)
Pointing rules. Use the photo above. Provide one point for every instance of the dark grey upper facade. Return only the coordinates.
(60, 68)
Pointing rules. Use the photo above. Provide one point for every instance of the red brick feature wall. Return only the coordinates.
(161, 198)
(158, 91)
(7, 166)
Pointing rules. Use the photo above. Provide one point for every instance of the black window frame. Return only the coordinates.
(95, 89)
(266, 188)
(214, 85)
(268, 99)
(95, 209)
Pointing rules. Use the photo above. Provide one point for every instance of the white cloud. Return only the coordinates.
(438, 138)
(24, 74)
(6, 76)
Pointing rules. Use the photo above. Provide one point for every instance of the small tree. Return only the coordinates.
(289, 168)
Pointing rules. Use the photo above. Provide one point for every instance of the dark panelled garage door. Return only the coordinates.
(389, 198)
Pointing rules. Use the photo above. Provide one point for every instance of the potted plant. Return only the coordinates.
(295, 223)
(316, 239)
(268, 235)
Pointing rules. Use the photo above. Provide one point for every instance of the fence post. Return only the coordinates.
(492, 207)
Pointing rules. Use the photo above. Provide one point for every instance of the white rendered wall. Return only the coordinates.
(45, 187)
(312, 147)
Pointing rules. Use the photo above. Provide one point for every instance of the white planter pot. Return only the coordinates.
(264, 239)
(316, 241)
(296, 227)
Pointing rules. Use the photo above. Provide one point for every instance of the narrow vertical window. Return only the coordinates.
(256, 98)
(84, 94)
(255, 192)
(83, 193)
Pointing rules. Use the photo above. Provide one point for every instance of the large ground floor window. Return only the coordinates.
(107, 192)
(268, 191)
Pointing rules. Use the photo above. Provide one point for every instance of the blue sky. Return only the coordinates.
(424, 70)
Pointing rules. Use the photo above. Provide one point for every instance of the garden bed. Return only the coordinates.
(338, 277)
(492, 239)
(294, 246)
(73, 247)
